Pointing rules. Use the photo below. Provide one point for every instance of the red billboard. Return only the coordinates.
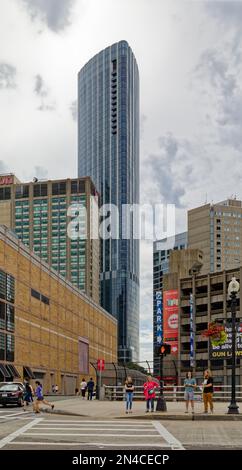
(170, 319)
(7, 179)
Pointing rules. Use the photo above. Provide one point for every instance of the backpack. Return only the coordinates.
(28, 389)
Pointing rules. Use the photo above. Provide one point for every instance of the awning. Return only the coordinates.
(28, 373)
(13, 371)
(4, 371)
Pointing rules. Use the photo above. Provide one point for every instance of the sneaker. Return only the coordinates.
(52, 407)
(205, 412)
(126, 412)
(147, 411)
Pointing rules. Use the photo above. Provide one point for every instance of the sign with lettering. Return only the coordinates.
(159, 318)
(5, 180)
(224, 351)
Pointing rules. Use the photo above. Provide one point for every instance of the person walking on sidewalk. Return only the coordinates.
(149, 393)
(40, 398)
(208, 391)
(190, 385)
(83, 387)
(90, 388)
(129, 390)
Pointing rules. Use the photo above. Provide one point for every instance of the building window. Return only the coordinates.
(40, 190)
(7, 287)
(10, 348)
(35, 294)
(21, 191)
(40, 297)
(58, 188)
(5, 194)
(2, 346)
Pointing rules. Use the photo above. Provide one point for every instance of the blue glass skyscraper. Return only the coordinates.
(108, 151)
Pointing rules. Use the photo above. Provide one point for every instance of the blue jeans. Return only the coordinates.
(129, 400)
(150, 404)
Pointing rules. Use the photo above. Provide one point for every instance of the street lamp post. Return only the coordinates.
(233, 290)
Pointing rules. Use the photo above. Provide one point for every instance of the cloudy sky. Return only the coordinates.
(189, 55)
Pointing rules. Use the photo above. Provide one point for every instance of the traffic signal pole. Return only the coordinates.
(161, 403)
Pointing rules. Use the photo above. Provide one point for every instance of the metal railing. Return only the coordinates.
(173, 393)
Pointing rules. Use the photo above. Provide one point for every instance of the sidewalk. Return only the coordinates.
(96, 409)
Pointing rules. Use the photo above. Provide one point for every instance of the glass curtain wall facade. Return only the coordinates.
(38, 214)
(108, 152)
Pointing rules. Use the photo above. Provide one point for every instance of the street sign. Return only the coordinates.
(100, 364)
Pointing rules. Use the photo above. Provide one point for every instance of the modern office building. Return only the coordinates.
(210, 303)
(108, 152)
(49, 330)
(161, 256)
(40, 213)
(216, 230)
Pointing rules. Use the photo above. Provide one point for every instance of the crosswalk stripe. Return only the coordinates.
(6, 440)
(169, 438)
(86, 435)
(51, 428)
(99, 444)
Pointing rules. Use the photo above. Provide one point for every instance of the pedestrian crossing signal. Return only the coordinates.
(163, 350)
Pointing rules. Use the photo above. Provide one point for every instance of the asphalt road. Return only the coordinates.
(21, 430)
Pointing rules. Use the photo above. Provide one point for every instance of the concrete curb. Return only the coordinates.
(155, 416)
(195, 417)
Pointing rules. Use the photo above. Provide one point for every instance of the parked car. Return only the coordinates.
(20, 384)
(11, 393)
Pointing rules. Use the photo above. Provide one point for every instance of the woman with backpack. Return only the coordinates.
(149, 393)
(28, 394)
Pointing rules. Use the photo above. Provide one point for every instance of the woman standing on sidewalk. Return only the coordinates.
(190, 385)
(83, 388)
(129, 390)
(149, 392)
(208, 391)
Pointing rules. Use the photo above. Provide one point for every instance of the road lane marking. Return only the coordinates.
(169, 438)
(6, 440)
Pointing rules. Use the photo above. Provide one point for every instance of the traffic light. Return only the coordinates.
(163, 350)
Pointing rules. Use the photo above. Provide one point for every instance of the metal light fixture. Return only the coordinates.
(233, 290)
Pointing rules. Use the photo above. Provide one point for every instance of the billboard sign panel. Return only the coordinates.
(224, 351)
(170, 320)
